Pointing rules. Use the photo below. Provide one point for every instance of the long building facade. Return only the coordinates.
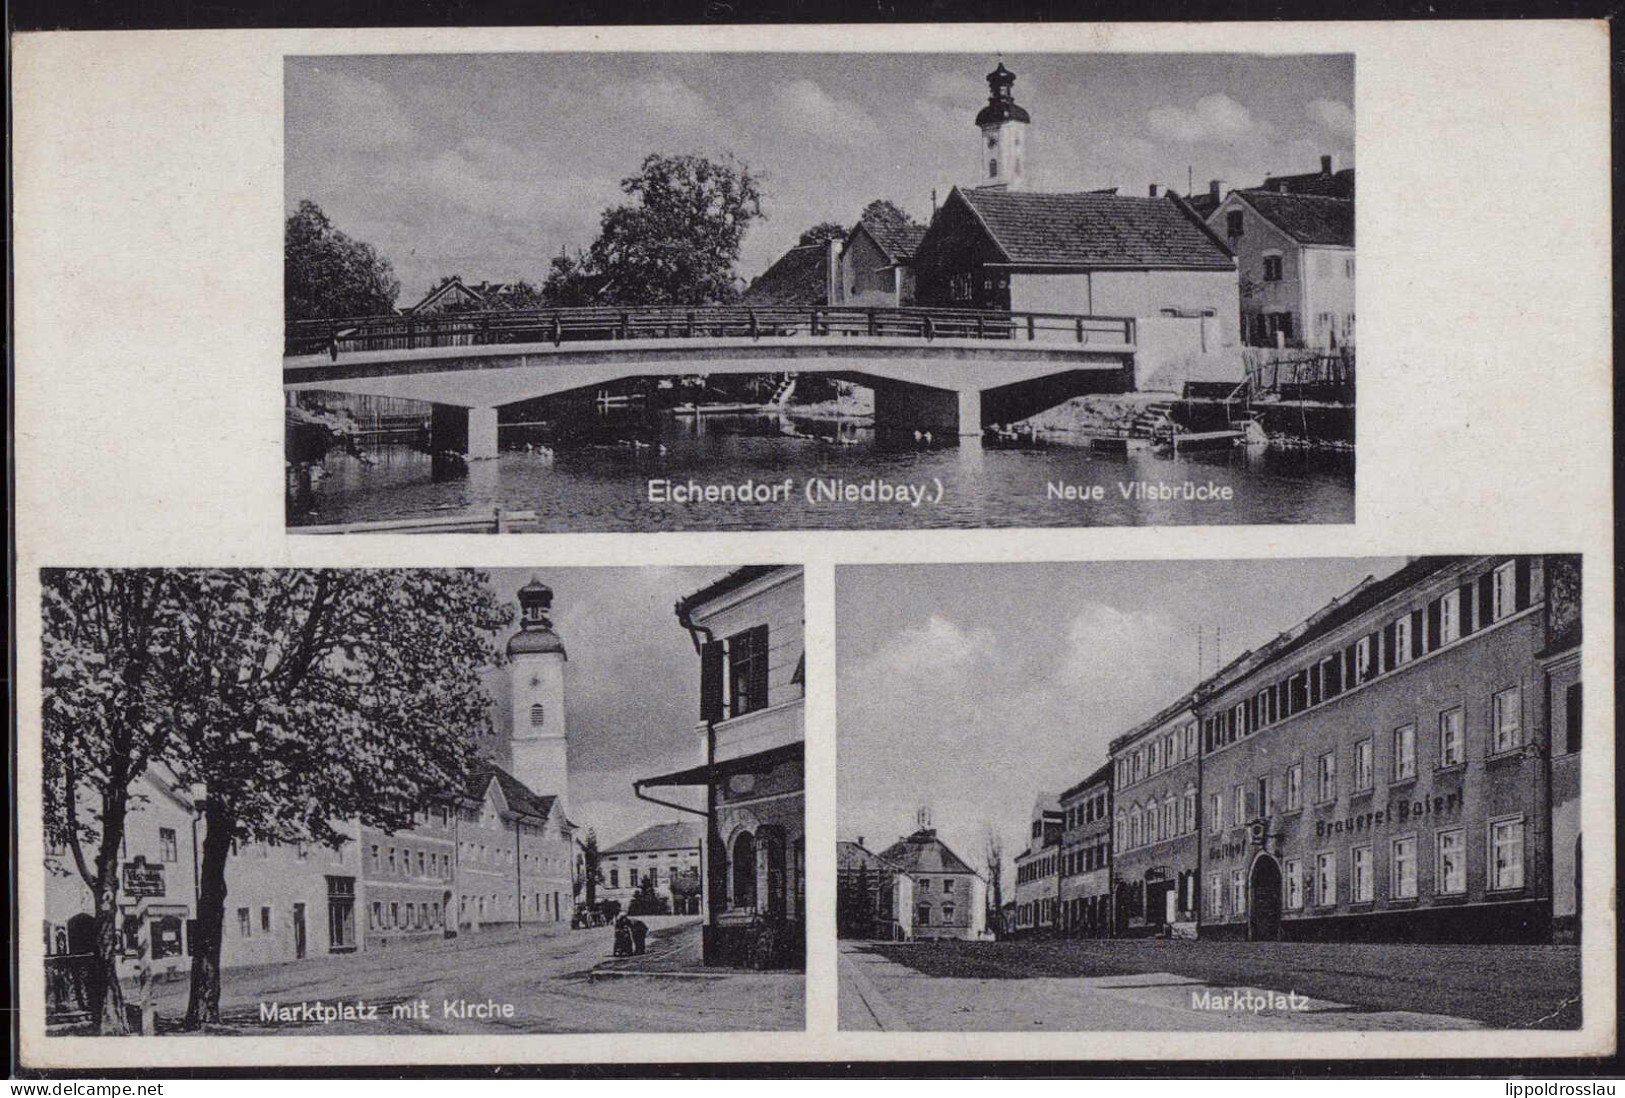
(1403, 764)
(1085, 887)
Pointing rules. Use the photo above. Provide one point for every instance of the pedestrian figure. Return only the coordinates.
(623, 937)
(640, 930)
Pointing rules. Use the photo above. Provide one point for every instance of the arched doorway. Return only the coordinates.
(1264, 920)
(773, 875)
(742, 872)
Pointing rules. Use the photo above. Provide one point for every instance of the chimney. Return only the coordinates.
(860, 842)
(1213, 188)
(1326, 165)
(1154, 190)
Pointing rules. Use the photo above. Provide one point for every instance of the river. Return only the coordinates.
(607, 488)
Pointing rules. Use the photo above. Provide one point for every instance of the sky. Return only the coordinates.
(488, 165)
(632, 685)
(971, 689)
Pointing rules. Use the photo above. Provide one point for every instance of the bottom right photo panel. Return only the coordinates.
(1312, 794)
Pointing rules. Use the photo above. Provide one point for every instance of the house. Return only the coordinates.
(934, 893)
(667, 853)
(808, 274)
(1329, 182)
(455, 296)
(1156, 790)
(1038, 871)
(877, 263)
(1086, 857)
(864, 892)
(1296, 256)
(748, 629)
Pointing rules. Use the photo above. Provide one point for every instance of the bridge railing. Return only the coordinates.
(558, 326)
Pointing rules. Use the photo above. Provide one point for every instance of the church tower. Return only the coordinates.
(1004, 134)
(538, 747)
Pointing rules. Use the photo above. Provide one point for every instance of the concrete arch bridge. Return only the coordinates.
(951, 372)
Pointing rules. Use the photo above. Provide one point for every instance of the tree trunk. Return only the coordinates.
(107, 992)
(203, 1007)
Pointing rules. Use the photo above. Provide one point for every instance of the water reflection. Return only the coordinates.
(598, 479)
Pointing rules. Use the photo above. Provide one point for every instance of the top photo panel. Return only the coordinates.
(618, 292)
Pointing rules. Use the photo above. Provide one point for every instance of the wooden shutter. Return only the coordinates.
(1520, 572)
(711, 681)
(1464, 596)
(1417, 636)
(758, 666)
(1435, 623)
(1486, 598)
(1388, 655)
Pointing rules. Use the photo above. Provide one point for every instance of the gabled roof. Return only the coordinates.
(519, 796)
(923, 852)
(1306, 218)
(666, 836)
(733, 581)
(1332, 184)
(850, 856)
(1098, 777)
(896, 240)
(1090, 230)
(799, 277)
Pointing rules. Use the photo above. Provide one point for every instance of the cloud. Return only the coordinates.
(938, 645)
(1214, 118)
(1333, 114)
(808, 108)
(347, 111)
(669, 103)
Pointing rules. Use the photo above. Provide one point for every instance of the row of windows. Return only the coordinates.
(1495, 595)
(1314, 882)
(1155, 823)
(1085, 859)
(1088, 812)
(1037, 869)
(1036, 913)
(635, 876)
(1169, 749)
(922, 915)
(432, 865)
(1273, 265)
(407, 916)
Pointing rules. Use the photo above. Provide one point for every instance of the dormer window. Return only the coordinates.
(992, 169)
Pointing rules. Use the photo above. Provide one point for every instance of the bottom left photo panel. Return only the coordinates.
(421, 801)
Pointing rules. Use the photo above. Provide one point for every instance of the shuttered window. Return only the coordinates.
(747, 671)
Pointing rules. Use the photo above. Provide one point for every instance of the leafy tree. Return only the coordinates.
(327, 274)
(301, 698)
(822, 233)
(646, 901)
(675, 243)
(592, 868)
(885, 211)
(993, 855)
(569, 283)
(106, 636)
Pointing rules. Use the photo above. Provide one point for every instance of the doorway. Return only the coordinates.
(1264, 922)
(299, 932)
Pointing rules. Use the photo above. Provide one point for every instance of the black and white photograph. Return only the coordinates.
(1267, 795)
(356, 802)
(582, 292)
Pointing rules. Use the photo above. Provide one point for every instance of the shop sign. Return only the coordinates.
(1444, 804)
(142, 878)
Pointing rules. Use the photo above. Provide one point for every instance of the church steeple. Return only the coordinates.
(1004, 133)
(538, 749)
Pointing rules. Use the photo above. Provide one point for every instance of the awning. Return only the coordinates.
(707, 775)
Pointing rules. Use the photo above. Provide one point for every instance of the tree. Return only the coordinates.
(304, 699)
(822, 233)
(106, 636)
(327, 274)
(993, 856)
(884, 211)
(675, 243)
(592, 868)
(646, 901)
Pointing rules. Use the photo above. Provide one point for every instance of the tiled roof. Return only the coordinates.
(923, 852)
(897, 240)
(1306, 218)
(666, 836)
(1101, 775)
(1331, 184)
(734, 580)
(799, 277)
(1093, 230)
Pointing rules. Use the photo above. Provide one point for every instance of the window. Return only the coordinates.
(1189, 822)
(1404, 752)
(1272, 268)
(1348, 267)
(392, 859)
(394, 914)
(1506, 854)
(1505, 723)
(245, 929)
(421, 871)
(947, 884)
(1326, 790)
(1238, 892)
(1239, 803)
(1294, 786)
(1362, 659)
(1293, 879)
(1190, 739)
(375, 917)
(1360, 865)
(1450, 869)
(265, 920)
(632, 877)
(1215, 896)
(1450, 747)
(614, 877)
(947, 913)
(1450, 617)
(538, 716)
(167, 847)
(375, 857)
(1121, 836)
(1504, 591)
(1151, 823)
(1233, 223)
(1216, 813)
(1402, 869)
(1362, 765)
(1402, 640)
(992, 172)
(1326, 878)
